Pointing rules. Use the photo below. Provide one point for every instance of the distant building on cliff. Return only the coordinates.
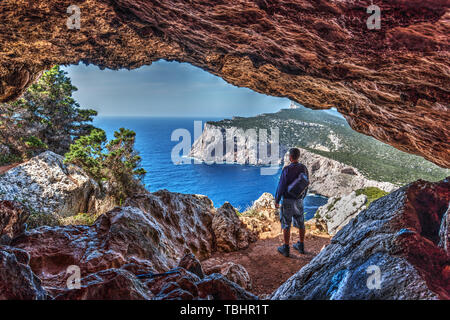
(293, 106)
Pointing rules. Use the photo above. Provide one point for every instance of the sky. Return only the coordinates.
(166, 89)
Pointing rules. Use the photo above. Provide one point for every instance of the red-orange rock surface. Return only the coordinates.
(392, 83)
(150, 234)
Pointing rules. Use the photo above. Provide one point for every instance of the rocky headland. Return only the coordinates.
(328, 177)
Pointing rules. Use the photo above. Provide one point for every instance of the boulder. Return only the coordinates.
(261, 215)
(389, 251)
(233, 272)
(153, 238)
(230, 233)
(46, 185)
(338, 211)
(17, 281)
(191, 264)
(111, 284)
(218, 287)
(13, 216)
(391, 84)
(265, 206)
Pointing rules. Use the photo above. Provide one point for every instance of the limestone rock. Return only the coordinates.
(186, 221)
(152, 235)
(118, 238)
(230, 233)
(12, 220)
(397, 236)
(233, 272)
(327, 177)
(339, 211)
(45, 184)
(261, 215)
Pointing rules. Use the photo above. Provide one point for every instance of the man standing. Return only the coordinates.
(292, 207)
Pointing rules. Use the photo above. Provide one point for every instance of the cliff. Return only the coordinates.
(328, 177)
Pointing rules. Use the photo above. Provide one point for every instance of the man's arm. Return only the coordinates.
(281, 187)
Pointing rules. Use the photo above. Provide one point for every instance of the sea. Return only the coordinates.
(238, 184)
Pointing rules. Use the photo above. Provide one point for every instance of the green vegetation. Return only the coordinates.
(330, 136)
(372, 194)
(39, 219)
(115, 161)
(46, 117)
(85, 219)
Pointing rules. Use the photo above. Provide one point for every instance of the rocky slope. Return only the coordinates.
(151, 233)
(339, 211)
(391, 83)
(47, 185)
(401, 235)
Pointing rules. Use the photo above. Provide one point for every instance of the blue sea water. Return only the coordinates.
(240, 185)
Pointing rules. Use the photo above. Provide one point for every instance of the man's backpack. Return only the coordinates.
(297, 189)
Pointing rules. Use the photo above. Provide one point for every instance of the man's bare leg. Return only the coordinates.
(287, 235)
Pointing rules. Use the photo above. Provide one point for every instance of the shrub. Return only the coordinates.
(86, 219)
(45, 117)
(115, 161)
(39, 219)
(372, 194)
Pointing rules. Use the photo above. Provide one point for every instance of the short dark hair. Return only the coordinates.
(294, 153)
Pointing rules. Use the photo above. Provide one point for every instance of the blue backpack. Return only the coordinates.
(297, 189)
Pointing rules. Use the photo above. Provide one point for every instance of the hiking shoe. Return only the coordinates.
(284, 250)
(299, 246)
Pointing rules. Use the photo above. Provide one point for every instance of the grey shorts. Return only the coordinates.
(292, 212)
